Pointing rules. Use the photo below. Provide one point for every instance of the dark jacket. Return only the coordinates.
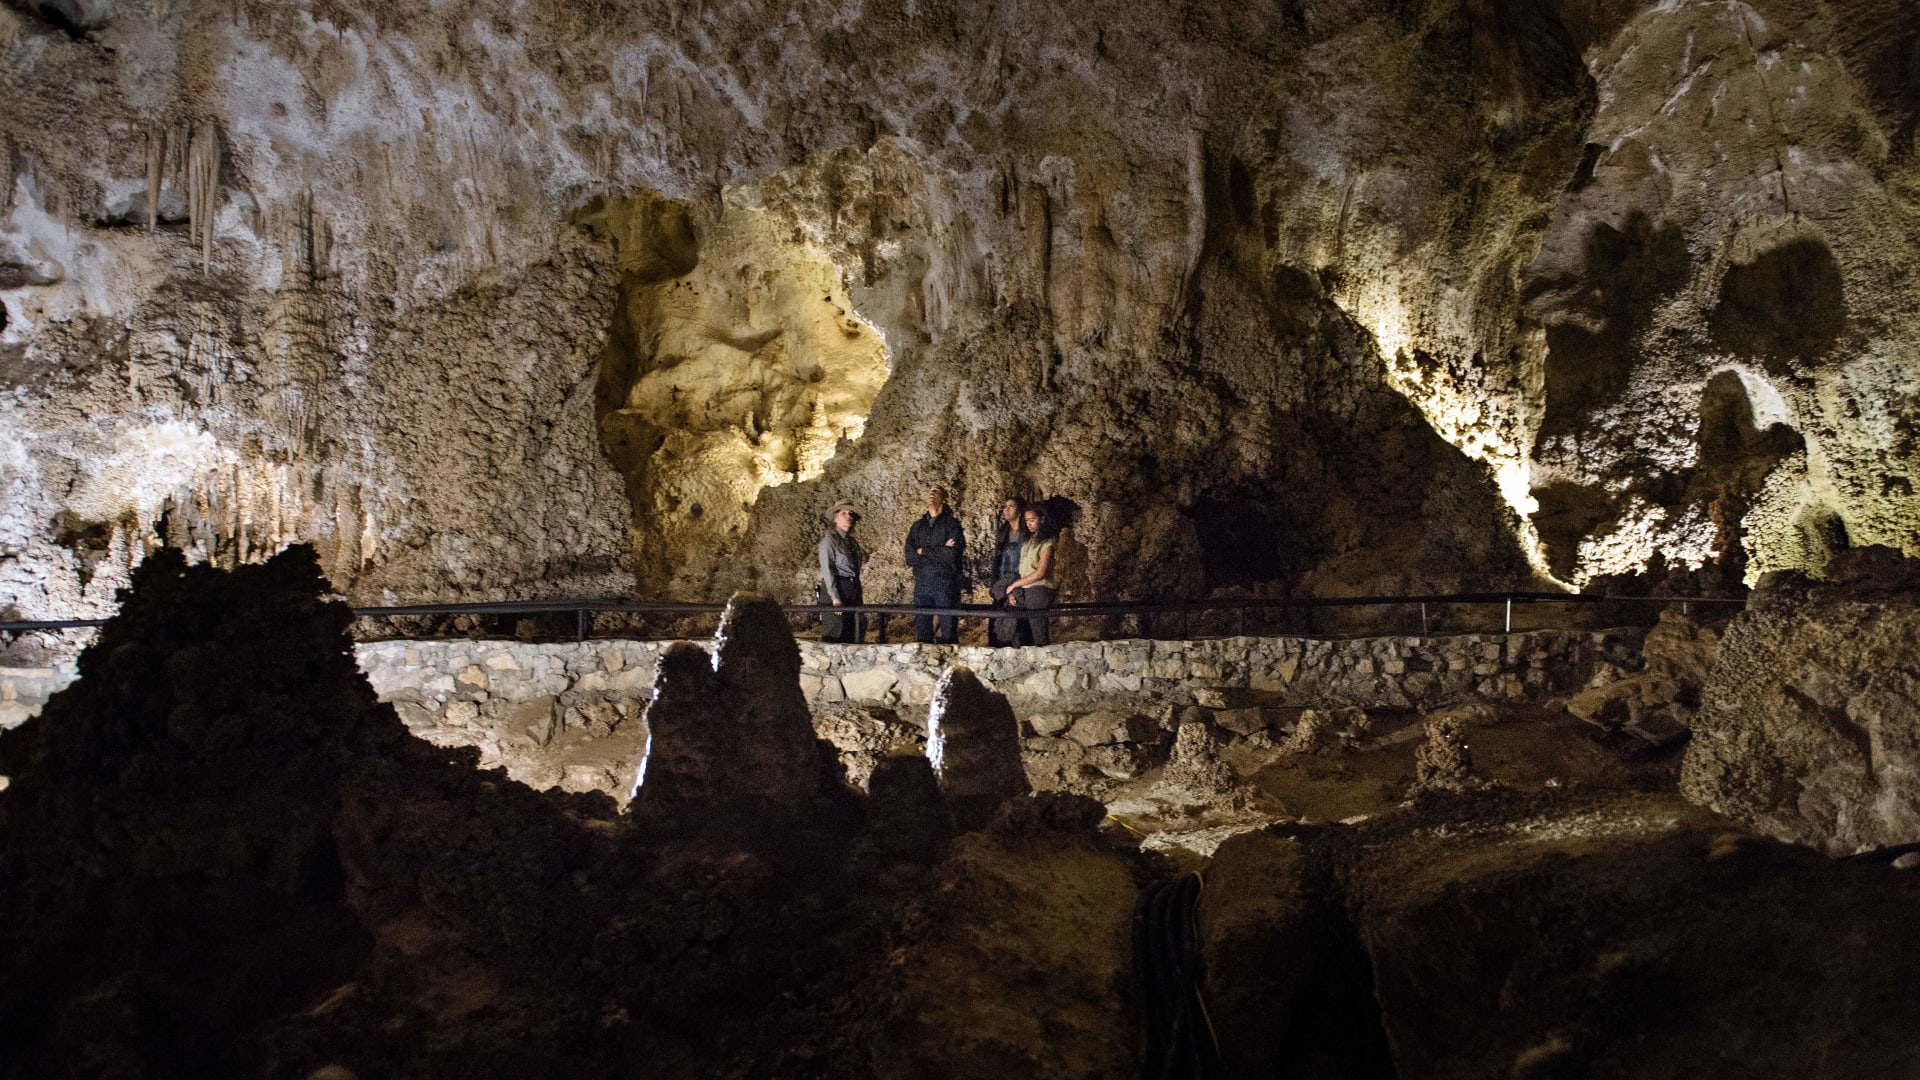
(1006, 550)
(930, 534)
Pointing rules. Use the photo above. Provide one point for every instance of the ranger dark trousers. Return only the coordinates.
(931, 591)
(851, 629)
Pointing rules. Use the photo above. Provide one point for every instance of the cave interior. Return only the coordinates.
(1482, 432)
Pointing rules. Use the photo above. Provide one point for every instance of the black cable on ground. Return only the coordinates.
(1167, 962)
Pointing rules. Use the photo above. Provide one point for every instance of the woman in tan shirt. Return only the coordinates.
(1035, 588)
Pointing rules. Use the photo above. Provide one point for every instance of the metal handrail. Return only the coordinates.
(584, 608)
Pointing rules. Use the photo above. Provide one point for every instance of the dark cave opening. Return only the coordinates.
(1239, 542)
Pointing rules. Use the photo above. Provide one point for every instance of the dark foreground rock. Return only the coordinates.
(221, 856)
(1488, 934)
(1630, 936)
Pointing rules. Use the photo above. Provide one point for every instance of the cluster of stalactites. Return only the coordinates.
(193, 150)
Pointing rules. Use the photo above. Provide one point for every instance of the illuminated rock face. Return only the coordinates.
(737, 363)
(1724, 296)
(484, 300)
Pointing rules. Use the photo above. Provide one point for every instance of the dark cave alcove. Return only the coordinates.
(1787, 303)
(1626, 272)
(1239, 542)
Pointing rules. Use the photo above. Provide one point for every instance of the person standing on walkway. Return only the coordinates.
(1007, 538)
(936, 549)
(840, 559)
(1035, 589)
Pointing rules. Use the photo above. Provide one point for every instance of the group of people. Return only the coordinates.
(936, 548)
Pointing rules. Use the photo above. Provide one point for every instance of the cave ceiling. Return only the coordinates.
(494, 299)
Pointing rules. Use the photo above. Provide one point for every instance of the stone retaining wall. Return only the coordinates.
(567, 714)
(507, 690)
(24, 690)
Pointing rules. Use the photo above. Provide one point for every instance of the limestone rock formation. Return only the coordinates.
(1260, 927)
(973, 742)
(1444, 762)
(490, 299)
(907, 814)
(1809, 728)
(1021, 966)
(1319, 731)
(1194, 766)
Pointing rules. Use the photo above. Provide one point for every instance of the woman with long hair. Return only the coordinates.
(1007, 538)
(1035, 588)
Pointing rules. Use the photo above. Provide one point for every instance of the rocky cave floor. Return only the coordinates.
(221, 855)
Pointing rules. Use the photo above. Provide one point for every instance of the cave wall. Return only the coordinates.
(1329, 297)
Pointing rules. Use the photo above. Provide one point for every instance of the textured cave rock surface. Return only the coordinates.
(222, 856)
(1565, 934)
(1304, 296)
(1809, 727)
(1657, 703)
(1639, 938)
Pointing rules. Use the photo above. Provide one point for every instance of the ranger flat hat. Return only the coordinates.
(847, 506)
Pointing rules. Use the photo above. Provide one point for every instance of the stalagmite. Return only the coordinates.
(973, 742)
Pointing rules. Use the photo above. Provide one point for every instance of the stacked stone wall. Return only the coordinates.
(504, 694)
(478, 692)
(23, 690)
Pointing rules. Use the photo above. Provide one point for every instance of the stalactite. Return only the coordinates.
(369, 536)
(275, 521)
(239, 516)
(117, 545)
(203, 188)
(7, 174)
(344, 538)
(156, 159)
(1196, 214)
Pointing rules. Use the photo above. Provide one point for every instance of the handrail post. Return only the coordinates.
(1509, 614)
(583, 624)
(1423, 618)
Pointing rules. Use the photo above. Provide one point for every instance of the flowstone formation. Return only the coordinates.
(736, 363)
(488, 299)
